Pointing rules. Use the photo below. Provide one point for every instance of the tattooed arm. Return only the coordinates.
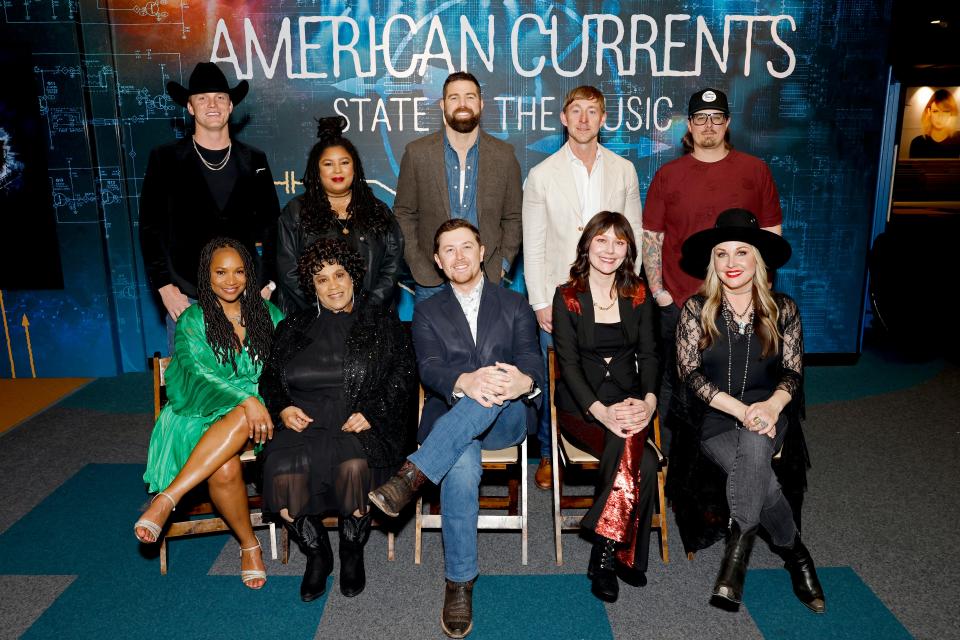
(653, 266)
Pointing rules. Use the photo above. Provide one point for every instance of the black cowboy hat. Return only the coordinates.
(207, 78)
(738, 225)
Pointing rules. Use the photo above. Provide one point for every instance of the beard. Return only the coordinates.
(462, 125)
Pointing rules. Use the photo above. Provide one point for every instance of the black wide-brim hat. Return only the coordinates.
(207, 78)
(737, 225)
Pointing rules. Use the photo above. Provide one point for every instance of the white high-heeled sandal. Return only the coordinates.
(153, 527)
(249, 575)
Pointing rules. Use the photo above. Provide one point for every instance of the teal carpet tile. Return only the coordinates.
(853, 611)
(559, 607)
(119, 591)
(128, 393)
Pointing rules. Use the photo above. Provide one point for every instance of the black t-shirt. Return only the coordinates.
(927, 147)
(220, 182)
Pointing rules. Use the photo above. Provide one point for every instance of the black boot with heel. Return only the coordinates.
(312, 538)
(602, 570)
(354, 533)
(803, 575)
(728, 589)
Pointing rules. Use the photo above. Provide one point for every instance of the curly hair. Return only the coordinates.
(369, 215)
(626, 281)
(324, 252)
(253, 312)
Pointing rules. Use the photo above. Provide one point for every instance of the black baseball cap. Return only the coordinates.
(708, 99)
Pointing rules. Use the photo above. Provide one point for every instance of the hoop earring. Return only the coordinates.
(318, 306)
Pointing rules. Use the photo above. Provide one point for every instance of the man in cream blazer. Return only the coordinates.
(560, 196)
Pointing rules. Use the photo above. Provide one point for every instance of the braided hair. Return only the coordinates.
(253, 312)
(369, 215)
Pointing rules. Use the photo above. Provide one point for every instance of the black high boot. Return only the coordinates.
(733, 568)
(602, 569)
(312, 538)
(803, 575)
(354, 533)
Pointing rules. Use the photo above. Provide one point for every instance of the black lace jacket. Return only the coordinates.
(695, 485)
(378, 371)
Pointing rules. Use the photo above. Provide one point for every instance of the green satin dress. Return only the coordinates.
(200, 391)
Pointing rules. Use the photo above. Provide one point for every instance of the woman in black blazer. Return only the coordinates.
(604, 336)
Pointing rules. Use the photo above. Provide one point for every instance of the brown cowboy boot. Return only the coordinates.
(457, 617)
(393, 495)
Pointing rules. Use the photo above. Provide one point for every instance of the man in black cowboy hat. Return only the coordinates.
(685, 196)
(201, 187)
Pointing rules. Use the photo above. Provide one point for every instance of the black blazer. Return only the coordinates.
(506, 332)
(382, 255)
(378, 376)
(178, 214)
(634, 367)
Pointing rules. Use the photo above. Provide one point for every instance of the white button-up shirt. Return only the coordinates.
(470, 303)
(589, 185)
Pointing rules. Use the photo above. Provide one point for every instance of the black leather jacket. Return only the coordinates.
(382, 256)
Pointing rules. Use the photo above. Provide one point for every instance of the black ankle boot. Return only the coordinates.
(354, 533)
(803, 575)
(733, 569)
(602, 570)
(312, 538)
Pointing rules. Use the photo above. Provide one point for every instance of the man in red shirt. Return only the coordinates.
(686, 196)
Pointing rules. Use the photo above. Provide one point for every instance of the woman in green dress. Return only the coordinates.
(213, 409)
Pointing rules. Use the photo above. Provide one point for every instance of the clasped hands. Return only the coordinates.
(294, 418)
(761, 418)
(495, 384)
(626, 418)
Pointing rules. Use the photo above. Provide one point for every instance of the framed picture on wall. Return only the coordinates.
(927, 179)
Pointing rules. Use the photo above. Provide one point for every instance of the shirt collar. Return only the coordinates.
(574, 159)
(470, 296)
(447, 145)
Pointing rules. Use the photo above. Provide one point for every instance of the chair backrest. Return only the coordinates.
(159, 383)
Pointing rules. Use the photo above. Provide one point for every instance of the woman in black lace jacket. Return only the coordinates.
(740, 359)
(338, 203)
(338, 380)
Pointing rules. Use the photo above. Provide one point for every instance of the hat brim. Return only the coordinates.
(180, 94)
(697, 249)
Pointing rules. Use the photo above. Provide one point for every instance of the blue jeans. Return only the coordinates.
(423, 293)
(450, 457)
(543, 416)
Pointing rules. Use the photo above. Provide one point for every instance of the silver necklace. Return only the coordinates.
(746, 364)
(210, 165)
(743, 320)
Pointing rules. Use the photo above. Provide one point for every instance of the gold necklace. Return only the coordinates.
(608, 307)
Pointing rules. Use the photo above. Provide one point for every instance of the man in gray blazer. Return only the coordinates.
(458, 172)
(562, 193)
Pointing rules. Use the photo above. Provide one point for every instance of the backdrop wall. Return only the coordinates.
(806, 82)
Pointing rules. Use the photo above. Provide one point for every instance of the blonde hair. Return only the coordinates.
(943, 99)
(765, 315)
(585, 92)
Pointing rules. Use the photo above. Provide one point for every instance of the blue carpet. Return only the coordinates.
(853, 611)
(564, 608)
(874, 373)
(119, 591)
(129, 393)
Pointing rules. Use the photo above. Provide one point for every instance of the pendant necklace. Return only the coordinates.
(213, 166)
(743, 320)
(746, 363)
